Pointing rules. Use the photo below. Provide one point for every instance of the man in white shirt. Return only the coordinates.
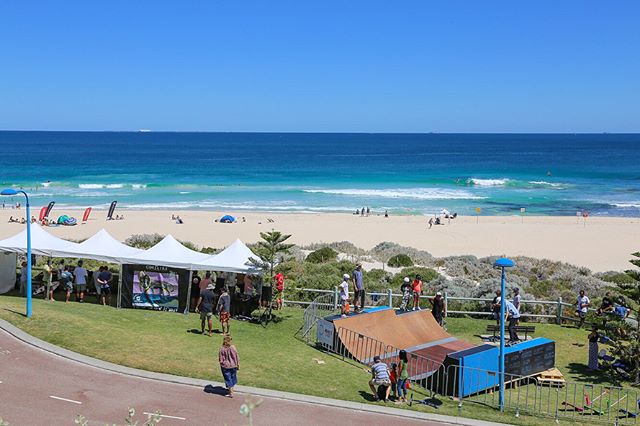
(582, 307)
(344, 294)
(80, 276)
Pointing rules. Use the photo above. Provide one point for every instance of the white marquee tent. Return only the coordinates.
(103, 247)
(42, 243)
(234, 258)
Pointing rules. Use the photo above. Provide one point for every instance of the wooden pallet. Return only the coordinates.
(551, 377)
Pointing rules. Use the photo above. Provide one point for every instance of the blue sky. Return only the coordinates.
(352, 66)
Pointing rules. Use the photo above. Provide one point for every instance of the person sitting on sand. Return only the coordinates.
(386, 213)
(179, 220)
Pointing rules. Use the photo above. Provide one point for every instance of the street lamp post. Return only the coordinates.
(11, 191)
(502, 263)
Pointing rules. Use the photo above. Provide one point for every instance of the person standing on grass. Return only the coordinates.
(344, 295)
(279, 278)
(80, 275)
(594, 336)
(582, 307)
(205, 307)
(403, 376)
(195, 289)
(23, 279)
(224, 309)
(229, 364)
(46, 278)
(358, 287)
(66, 280)
(104, 281)
(417, 291)
(437, 308)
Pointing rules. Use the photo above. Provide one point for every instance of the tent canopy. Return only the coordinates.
(42, 243)
(234, 258)
(168, 252)
(102, 246)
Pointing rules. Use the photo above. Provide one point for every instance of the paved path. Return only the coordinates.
(40, 387)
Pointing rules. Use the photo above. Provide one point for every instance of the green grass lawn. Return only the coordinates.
(271, 357)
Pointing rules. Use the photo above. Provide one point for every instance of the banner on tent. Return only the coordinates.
(154, 287)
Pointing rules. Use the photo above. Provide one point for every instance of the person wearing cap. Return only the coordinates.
(379, 377)
(205, 307)
(513, 316)
(438, 308)
(406, 290)
(344, 295)
(358, 287)
(417, 291)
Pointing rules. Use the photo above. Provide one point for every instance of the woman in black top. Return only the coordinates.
(594, 336)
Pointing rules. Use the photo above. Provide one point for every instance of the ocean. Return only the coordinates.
(546, 174)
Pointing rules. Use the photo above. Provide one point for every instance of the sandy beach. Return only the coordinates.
(605, 243)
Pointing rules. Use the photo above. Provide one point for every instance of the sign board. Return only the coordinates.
(154, 287)
(325, 333)
(522, 209)
(478, 210)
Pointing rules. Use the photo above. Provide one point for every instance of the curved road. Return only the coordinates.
(41, 388)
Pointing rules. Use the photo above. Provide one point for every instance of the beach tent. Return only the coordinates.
(103, 247)
(42, 243)
(227, 219)
(170, 253)
(234, 258)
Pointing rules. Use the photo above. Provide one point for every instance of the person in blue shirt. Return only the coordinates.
(513, 315)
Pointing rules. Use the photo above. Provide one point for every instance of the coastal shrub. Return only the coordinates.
(616, 277)
(324, 254)
(400, 261)
(143, 241)
(339, 246)
(386, 250)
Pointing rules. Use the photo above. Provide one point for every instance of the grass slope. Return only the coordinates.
(271, 357)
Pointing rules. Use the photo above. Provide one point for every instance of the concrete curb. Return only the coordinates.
(267, 393)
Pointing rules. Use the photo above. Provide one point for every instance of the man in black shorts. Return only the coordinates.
(104, 280)
(205, 307)
(195, 289)
(267, 292)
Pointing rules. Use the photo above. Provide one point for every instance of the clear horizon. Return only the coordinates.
(288, 67)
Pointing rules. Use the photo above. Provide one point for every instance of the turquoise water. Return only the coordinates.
(401, 173)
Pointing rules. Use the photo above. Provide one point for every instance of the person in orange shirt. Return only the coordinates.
(417, 291)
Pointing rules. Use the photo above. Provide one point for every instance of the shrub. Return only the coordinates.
(143, 241)
(400, 261)
(322, 255)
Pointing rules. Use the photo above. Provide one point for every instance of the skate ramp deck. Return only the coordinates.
(383, 332)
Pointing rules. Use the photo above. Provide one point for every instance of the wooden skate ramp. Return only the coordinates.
(383, 332)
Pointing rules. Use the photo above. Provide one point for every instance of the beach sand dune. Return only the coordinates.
(605, 243)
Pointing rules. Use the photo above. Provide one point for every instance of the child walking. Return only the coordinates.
(393, 376)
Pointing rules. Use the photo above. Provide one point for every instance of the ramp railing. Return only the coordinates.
(574, 401)
(321, 306)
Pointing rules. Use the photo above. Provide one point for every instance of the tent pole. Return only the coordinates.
(186, 310)
(120, 288)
